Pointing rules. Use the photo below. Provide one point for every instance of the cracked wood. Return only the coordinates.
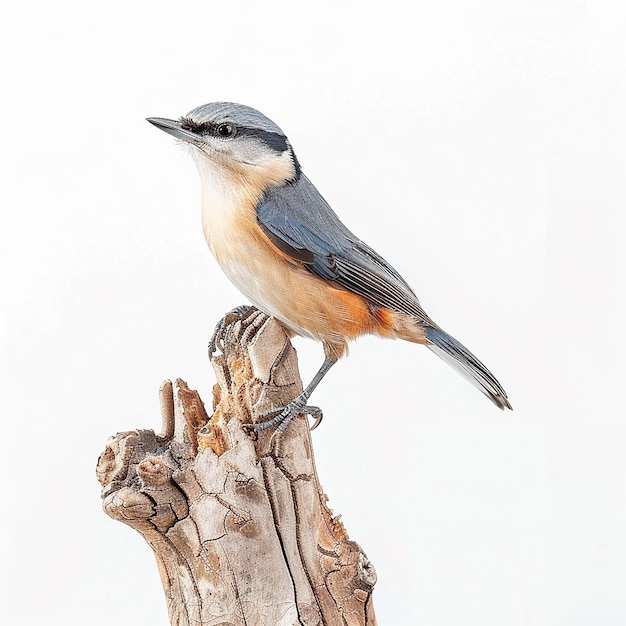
(237, 520)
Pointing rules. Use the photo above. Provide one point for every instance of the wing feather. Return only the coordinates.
(298, 220)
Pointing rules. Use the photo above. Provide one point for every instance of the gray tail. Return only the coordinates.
(463, 361)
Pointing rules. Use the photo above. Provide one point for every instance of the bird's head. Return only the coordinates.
(235, 142)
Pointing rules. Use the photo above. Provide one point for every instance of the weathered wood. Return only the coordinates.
(237, 520)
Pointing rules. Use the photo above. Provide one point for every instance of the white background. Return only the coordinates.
(478, 145)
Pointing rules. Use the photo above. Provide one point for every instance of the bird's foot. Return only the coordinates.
(281, 417)
(217, 342)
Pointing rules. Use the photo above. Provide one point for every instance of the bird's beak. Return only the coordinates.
(173, 127)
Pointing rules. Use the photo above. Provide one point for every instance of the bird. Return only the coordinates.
(282, 245)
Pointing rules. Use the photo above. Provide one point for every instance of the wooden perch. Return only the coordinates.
(238, 521)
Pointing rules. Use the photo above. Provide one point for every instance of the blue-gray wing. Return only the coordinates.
(299, 222)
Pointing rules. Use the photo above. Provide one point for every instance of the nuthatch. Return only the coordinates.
(281, 244)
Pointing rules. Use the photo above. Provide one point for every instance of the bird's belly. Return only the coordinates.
(263, 285)
(289, 293)
(303, 302)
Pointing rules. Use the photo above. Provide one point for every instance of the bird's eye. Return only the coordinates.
(226, 130)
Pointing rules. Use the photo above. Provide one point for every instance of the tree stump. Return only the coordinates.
(237, 519)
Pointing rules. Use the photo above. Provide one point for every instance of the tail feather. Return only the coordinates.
(463, 361)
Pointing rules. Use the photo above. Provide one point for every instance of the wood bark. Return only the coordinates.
(237, 519)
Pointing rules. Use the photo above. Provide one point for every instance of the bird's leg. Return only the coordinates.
(283, 416)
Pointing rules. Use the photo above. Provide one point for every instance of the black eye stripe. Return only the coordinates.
(199, 128)
(224, 129)
(272, 140)
(275, 141)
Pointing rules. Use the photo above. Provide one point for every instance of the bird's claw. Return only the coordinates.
(217, 341)
(281, 417)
